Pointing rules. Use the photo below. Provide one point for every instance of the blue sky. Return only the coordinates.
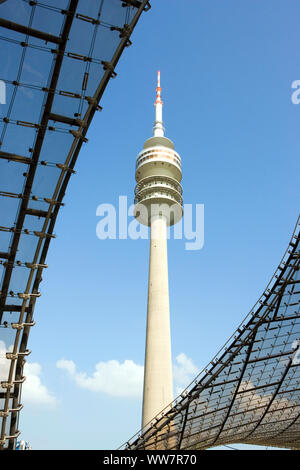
(226, 71)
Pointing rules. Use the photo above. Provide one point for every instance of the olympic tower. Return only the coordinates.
(158, 204)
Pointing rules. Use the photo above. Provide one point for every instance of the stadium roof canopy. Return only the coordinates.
(250, 392)
(57, 58)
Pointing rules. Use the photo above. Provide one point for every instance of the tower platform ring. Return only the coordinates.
(148, 208)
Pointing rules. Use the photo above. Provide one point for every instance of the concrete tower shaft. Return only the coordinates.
(158, 199)
(158, 386)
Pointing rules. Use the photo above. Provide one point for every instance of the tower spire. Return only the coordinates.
(159, 129)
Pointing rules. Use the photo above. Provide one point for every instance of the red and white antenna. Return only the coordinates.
(158, 125)
(158, 90)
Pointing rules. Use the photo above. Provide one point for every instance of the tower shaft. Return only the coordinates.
(158, 387)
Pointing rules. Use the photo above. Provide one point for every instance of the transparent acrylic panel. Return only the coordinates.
(105, 44)
(4, 241)
(66, 105)
(45, 181)
(48, 21)
(8, 210)
(39, 205)
(10, 56)
(7, 339)
(89, 8)
(27, 247)
(12, 177)
(18, 139)
(18, 279)
(81, 37)
(33, 223)
(36, 68)
(9, 318)
(27, 105)
(71, 77)
(55, 149)
(113, 13)
(17, 11)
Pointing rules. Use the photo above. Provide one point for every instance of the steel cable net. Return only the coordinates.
(57, 57)
(250, 392)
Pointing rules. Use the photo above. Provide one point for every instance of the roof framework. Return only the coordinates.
(58, 58)
(250, 392)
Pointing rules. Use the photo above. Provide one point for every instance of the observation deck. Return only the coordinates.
(158, 175)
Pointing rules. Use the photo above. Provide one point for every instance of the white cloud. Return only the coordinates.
(184, 371)
(125, 379)
(69, 366)
(33, 391)
(111, 377)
